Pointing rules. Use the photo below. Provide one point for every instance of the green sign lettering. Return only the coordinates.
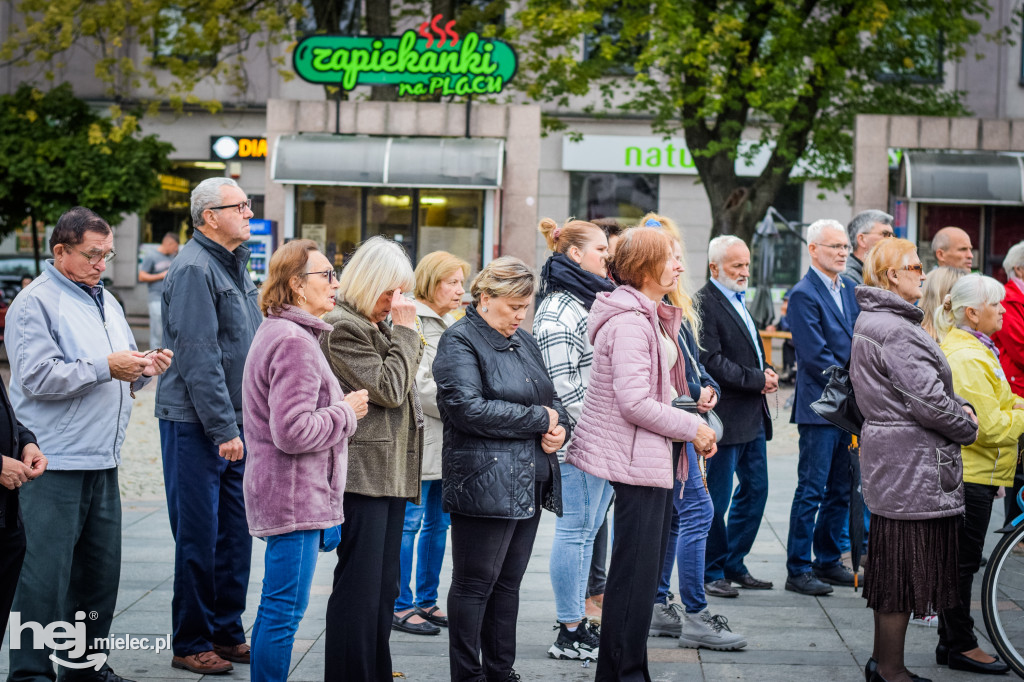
(416, 63)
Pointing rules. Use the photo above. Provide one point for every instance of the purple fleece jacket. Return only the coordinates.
(296, 428)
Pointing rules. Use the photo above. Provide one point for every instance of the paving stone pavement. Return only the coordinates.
(790, 636)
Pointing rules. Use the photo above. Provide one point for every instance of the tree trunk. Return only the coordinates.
(378, 23)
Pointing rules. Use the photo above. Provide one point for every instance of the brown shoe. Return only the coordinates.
(203, 663)
(239, 653)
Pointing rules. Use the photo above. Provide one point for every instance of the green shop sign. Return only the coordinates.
(419, 62)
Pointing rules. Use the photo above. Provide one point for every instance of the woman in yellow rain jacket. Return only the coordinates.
(968, 317)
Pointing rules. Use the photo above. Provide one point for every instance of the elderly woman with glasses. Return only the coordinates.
(384, 461)
(297, 457)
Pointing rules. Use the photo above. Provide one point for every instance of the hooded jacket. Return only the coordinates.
(977, 376)
(296, 452)
(626, 429)
(914, 424)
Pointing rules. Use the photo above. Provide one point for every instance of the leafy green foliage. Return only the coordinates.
(56, 153)
(798, 71)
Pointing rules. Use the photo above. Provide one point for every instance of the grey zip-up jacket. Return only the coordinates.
(61, 388)
(210, 315)
(914, 424)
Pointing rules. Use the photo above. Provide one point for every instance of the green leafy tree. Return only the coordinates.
(798, 71)
(56, 152)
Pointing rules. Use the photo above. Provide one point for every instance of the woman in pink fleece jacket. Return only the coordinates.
(297, 423)
(625, 435)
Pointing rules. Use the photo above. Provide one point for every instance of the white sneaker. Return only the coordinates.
(931, 621)
(702, 630)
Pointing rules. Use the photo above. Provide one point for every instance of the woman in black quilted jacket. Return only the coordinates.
(503, 425)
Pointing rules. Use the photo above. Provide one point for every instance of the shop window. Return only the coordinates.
(623, 196)
(339, 218)
(1007, 229)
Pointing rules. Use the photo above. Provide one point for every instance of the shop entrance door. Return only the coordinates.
(389, 213)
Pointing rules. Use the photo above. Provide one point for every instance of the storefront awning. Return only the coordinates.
(943, 177)
(319, 159)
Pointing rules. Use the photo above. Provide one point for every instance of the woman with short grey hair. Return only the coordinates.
(367, 353)
(1010, 342)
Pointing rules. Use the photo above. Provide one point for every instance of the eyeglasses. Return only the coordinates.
(838, 247)
(919, 268)
(331, 274)
(94, 257)
(885, 234)
(241, 206)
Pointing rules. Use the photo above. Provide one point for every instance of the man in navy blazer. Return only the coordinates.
(822, 310)
(732, 353)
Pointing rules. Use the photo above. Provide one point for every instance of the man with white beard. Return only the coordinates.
(733, 355)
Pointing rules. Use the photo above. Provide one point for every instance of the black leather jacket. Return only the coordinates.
(491, 393)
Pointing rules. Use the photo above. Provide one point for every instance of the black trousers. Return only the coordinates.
(359, 611)
(643, 518)
(956, 627)
(12, 554)
(598, 571)
(489, 558)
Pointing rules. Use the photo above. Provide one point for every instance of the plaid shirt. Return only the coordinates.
(560, 328)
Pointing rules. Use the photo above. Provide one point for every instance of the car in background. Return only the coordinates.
(12, 269)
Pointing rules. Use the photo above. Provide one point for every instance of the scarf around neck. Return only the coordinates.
(561, 273)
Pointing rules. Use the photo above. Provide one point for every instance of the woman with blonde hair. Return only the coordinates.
(913, 421)
(296, 455)
(439, 290)
(937, 284)
(503, 424)
(367, 353)
(625, 431)
(693, 624)
(966, 321)
(570, 281)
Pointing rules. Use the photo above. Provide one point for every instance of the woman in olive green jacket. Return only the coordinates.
(384, 454)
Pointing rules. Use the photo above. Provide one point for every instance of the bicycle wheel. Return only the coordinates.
(1002, 599)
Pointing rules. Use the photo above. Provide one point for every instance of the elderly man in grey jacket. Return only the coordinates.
(74, 364)
(210, 315)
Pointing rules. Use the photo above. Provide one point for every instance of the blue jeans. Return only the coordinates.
(433, 538)
(688, 538)
(822, 499)
(289, 564)
(585, 499)
(212, 546)
(729, 544)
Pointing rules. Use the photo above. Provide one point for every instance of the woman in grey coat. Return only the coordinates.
(366, 352)
(911, 470)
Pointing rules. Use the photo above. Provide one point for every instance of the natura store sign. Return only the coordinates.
(432, 59)
(646, 154)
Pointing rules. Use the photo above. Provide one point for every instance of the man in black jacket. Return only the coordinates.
(733, 355)
(20, 462)
(210, 315)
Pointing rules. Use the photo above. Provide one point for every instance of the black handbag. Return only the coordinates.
(685, 402)
(837, 404)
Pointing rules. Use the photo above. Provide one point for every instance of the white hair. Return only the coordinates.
(1014, 258)
(718, 247)
(378, 265)
(815, 229)
(970, 291)
(207, 194)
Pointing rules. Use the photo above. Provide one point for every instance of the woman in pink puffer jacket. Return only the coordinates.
(625, 435)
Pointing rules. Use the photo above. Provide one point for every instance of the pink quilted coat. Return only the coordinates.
(627, 426)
